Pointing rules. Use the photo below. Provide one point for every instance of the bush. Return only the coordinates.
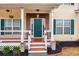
(6, 51)
(77, 41)
(11, 53)
(16, 51)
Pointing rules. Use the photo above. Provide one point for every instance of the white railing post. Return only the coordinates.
(29, 42)
(45, 41)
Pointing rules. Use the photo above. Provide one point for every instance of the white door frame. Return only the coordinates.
(32, 23)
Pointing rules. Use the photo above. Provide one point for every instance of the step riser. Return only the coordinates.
(37, 51)
(37, 47)
(39, 43)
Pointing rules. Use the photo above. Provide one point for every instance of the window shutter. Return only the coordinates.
(2, 26)
(54, 27)
(72, 26)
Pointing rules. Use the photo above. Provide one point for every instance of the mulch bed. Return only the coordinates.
(61, 46)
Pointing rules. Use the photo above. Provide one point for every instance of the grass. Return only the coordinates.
(68, 51)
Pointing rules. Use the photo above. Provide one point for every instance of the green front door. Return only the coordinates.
(38, 28)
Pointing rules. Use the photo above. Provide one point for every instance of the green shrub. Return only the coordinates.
(16, 51)
(6, 50)
(77, 41)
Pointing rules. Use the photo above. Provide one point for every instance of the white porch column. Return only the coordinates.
(22, 31)
(53, 42)
(22, 25)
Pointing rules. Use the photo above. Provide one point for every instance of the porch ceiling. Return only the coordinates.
(30, 7)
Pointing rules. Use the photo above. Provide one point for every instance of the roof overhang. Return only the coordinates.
(31, 7)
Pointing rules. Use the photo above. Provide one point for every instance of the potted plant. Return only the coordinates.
(6, 51)
(16, 51)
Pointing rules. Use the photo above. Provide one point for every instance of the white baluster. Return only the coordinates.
(29, 39)
(29, 42)
(45, 41)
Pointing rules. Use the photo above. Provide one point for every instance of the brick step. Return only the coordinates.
(37, 39)
(37, 49)
(37, 45)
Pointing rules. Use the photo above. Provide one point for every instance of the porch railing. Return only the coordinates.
(3, 36)
(28, 36)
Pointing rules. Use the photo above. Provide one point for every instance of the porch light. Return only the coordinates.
(37, 10)
(7, 10)
(37, 14)
(11, 16)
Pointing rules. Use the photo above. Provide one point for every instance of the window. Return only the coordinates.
(9, 25)
(63, 26)
(67, 26)
(16, 26)
(68, 3)
(59, 27)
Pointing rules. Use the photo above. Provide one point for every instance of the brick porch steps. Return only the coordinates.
(37, 46)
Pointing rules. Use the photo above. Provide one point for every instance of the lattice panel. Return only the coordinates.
(10, 45)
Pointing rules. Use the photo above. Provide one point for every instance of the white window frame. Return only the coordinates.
(67, 26)
(58, 26)
(7, 26)
(64, 26)
(16, 26)
(18, 23)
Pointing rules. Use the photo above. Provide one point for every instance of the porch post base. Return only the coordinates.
(53, 45)
(22, 47)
